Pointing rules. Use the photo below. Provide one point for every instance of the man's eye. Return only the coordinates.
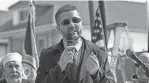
(66, 22)
(10, 66)
(17, 66)
(76, 20)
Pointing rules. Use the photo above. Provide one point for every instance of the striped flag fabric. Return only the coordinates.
(98, 35)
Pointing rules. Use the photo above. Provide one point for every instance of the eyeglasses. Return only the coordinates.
(74, 20)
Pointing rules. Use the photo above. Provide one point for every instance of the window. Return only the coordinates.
(23, 15)
(3, 50)
(4, 47)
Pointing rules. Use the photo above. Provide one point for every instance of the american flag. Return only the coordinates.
(97, 31)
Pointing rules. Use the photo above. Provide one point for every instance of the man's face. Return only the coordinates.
(70, 24)
(13, 72)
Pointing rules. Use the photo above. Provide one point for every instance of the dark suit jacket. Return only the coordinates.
(3, 81)
(49, 71)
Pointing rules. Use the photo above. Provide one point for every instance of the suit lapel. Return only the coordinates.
(60, 46)
(58, 49)
(87, 50)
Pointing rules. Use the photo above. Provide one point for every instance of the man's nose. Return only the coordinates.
(71, 25)
(13, 68)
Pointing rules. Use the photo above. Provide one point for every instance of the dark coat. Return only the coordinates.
(49, 71)
(3, 81)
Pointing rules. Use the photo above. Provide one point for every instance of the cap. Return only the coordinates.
(29, 60)
(11, 57)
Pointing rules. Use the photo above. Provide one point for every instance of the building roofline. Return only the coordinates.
(36, 3)
(22, 30)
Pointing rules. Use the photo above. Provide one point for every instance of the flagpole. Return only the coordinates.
(91, 13)
(147, 3)
(32, 12)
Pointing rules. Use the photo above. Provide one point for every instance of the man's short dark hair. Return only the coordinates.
(65, 8)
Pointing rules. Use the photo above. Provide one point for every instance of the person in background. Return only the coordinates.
(12, 69)
(140, 75)
(29, 65)
(74, 59)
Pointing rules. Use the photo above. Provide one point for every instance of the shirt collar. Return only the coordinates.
(77, 46)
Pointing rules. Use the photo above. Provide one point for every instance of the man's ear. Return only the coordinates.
(1, 67)
(58, 28)
(2, 72)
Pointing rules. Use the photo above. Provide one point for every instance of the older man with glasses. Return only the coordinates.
(73, 59)
(140, 75)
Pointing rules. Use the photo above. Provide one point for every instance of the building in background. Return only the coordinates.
(13, 24)
(5, 16)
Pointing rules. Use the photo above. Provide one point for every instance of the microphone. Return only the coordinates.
(132, 55)
(71, 68)
(70, 40)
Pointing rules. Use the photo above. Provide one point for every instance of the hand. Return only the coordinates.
(66, 57)
(121, 60)
(92, 64)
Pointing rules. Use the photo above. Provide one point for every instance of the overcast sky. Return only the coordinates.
(4, 4)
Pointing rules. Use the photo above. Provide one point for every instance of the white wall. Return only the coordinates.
(139, 41)
(86, 32)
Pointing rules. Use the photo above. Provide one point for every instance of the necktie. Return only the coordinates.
(74, 58)
(71, 69)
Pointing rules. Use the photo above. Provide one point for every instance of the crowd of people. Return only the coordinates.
(73, 60)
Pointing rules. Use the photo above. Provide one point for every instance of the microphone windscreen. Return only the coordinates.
(129, 52)
(70, 39)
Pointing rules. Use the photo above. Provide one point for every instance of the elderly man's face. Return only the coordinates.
(70, 24)
(13, 72)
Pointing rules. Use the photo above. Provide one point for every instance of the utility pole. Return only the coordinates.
(147, 3)
(91, 14)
